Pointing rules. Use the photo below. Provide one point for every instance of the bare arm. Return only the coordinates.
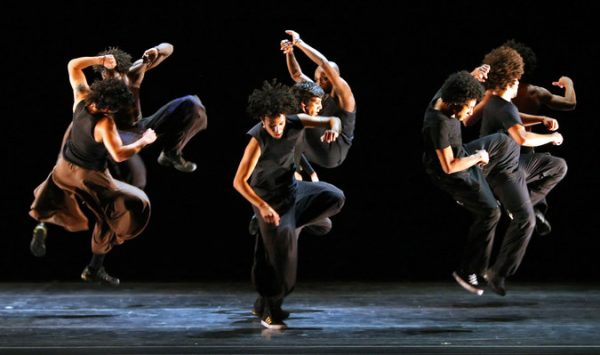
(340, 86)
(333, 123)
(478, 110)
(240, 182)
(530, 139)
(106, 132)
(151, 58)
(292, 64)
(77, 78)
(451, 165)
(531, 120)
(567, 102)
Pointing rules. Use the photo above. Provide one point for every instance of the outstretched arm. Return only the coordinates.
(240, 182)
(77, 78)
(333, 123)
(293, 67)
(340, 86)
(530, 139)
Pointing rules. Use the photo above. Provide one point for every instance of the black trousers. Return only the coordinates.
(476, 189)
(276, 252)
(542, 172)
(175, 124)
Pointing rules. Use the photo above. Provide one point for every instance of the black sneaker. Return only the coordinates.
(100, 276)
(495, 282)
(469, 282)
(177, 162)
(259, 308)
(253, 226)
(38, 241)
(542, 226)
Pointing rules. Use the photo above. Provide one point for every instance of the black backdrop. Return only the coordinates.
(395, 226)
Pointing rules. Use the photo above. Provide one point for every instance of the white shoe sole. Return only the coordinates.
(467, 286)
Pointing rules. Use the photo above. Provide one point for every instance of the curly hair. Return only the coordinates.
(528, 55)
(460, 88)
(506, 67)
(271, 100)
(306, 90)
(123, 60)
(111, 94)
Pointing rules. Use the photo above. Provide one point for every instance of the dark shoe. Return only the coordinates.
(259, 307)
(253, 226)
(177, 162)
(271, 320)
(100, 276)
(542, 226)
(469, 282)
(496, 283)
(38, 242)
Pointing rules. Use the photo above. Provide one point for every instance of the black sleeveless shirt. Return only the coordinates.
(81, 149)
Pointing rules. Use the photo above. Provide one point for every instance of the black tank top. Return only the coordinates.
(273, 177)
(331, 107)
(81, 149)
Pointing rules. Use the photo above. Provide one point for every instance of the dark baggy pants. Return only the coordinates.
(175, 124)
(122, 211)
(276, 253)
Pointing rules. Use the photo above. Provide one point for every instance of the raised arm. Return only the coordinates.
(567, 102)
(77, 78)
(340, 86)
(240, 182)
(292, 64)
(151, 58)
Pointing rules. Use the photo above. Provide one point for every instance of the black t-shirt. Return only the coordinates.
(498, 116)
(273, 177)
(81, 149)
(439, 132)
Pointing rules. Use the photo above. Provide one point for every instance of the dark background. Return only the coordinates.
(395, 226)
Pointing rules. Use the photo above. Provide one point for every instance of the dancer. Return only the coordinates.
(453, 167)
(338, 101)
(542, 171)
(80, 176)
(282, 204)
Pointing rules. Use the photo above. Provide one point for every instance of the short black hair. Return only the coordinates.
(306, 90)
(123, 60)
(271, 100)
(460, 88)
(528, 55)
(506, 67)
(112, 94)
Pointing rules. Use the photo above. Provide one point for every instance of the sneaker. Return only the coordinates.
(495, 282)
(177, 162)
(259, 308)
(38, 241)
(469, 282)
(270, 321)
(253, 226)
(542, 226)
(100, 276)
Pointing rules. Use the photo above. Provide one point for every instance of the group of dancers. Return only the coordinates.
(311, 122)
